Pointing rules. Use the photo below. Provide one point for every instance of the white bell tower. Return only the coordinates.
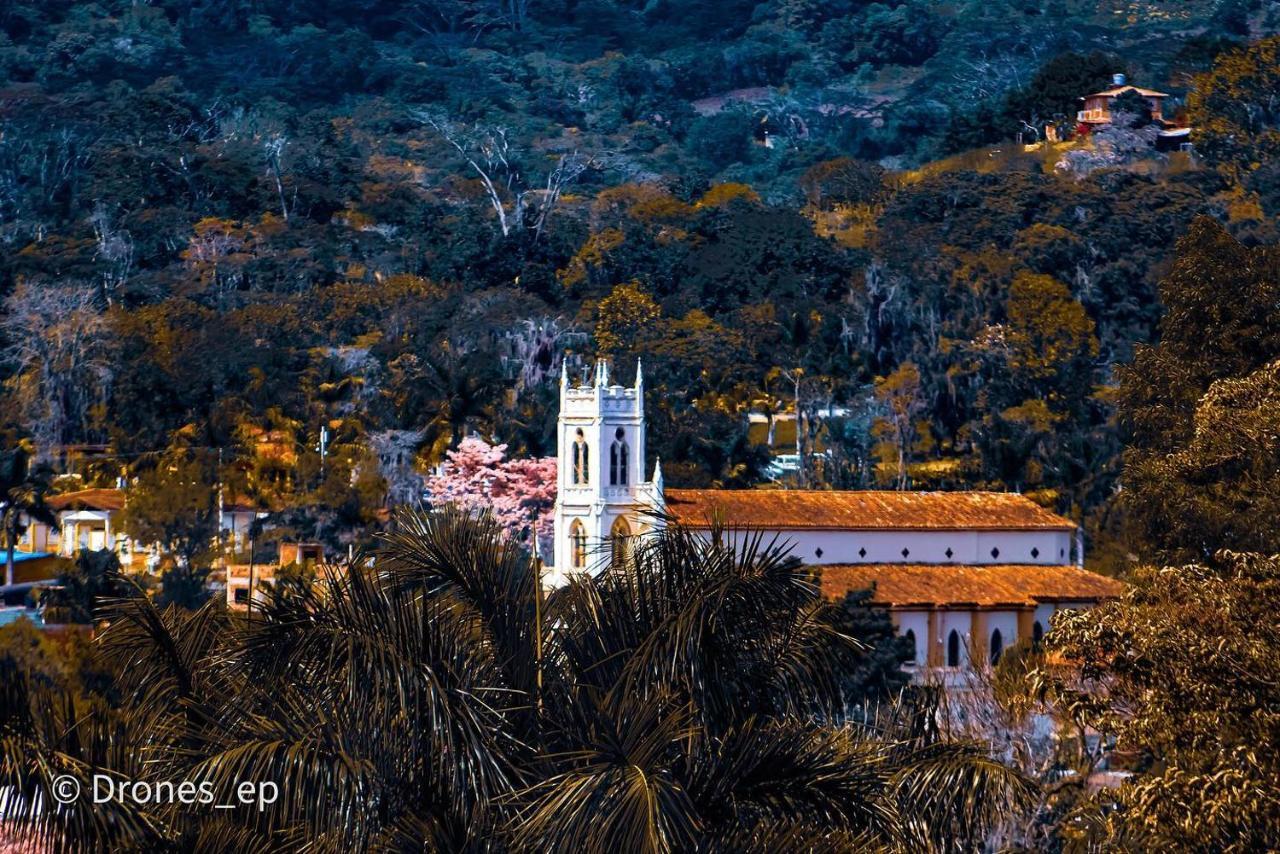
(601, 496)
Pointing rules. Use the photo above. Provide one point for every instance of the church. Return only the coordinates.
(963, 574)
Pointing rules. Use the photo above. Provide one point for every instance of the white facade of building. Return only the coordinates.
(995, 566)
(601, 494)
(818, 546)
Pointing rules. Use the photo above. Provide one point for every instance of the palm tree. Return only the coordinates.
(687, 700)
(24, 488)
(464, 393)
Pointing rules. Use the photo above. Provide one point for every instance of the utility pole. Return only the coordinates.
(222, 554)
(253, 538)
(794, 377)
(323, 447)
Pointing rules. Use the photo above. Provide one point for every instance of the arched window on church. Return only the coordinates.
(953, 649)
(618, 456)
(620, 541)
(997, 646)
(581, 459)
(577, 545)
(911, 639)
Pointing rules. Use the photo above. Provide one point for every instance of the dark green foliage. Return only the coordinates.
(877, 672)
(1199, 406)
(183, 587)
(259, 231)
(94, 577)
(1134, 106)
(690, 699)
(722, 140)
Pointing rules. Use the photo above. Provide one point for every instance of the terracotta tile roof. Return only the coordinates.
(89, 499)
(241, 503)
(905, 585)
(1119, 90)
(778, 509)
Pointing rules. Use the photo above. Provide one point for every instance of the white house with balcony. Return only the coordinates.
(91, 520)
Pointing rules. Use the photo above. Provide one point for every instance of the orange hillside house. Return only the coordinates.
(1097, 107)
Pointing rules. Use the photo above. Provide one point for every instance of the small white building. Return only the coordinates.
(963, 573)
(238, 515)
(88, 519)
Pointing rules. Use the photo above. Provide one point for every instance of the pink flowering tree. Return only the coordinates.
(520, 493)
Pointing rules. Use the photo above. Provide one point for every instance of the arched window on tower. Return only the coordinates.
(997, 646)
(620, 541)
(577, 545)
(581, 459)
(911, 639)
(619, 454)
(953, 649)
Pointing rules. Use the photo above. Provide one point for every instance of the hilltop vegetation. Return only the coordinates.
(228, 224)
(295, 252)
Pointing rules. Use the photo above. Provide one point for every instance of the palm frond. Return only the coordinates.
(451, 552)
(955, 795)
(795, 773)
(686, 699)
(379, 695)
(617, 791)
(44, 739)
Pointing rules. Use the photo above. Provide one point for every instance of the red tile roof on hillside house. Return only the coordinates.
(241, 503)
(788, 509)
(1116, 91)
(907, 585)
(89, 499)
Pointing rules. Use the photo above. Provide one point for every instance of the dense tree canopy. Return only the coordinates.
(1200, 473)
(233, 226)
(1181, 671)
(690, 698)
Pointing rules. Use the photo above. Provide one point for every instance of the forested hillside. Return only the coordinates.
(228, 224)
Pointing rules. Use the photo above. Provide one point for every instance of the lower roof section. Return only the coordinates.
(915, 585)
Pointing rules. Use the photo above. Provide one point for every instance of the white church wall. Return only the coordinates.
(967, 547)
(916, 622)
(1042, 616)
(1006, 622)
(596, 417)
(961, 622)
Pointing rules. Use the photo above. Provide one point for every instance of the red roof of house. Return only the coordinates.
(795, 509)
(240, 503)
(89, 499)
(905, 585)
(1120, 90)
